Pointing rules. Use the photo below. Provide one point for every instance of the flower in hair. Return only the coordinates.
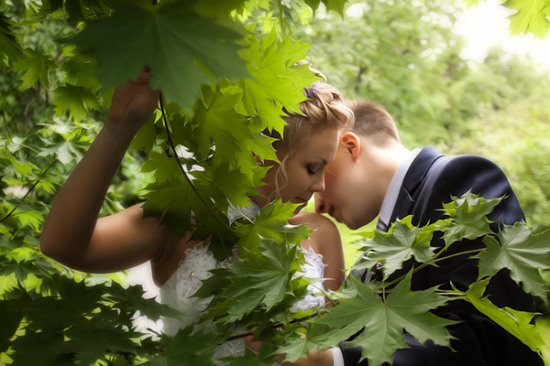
(310, 92)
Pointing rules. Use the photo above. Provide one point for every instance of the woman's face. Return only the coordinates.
(304, 169)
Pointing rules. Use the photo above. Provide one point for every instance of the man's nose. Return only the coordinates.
(320, 205)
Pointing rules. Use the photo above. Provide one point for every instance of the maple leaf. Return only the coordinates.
(188, 347)
(249, 359)
(277, 82)
(216, 8)
(468, 214)
(260, 279)
(172, 201)
(517, 323)
(271, 222)
(402, 242)
(164, 167)
(225, 185)
(217, 122)
(164, 37)
(382, 321)
(92, 341)
(76, 99)
(34, 67)
(531, 16)
(523, 253)
(297, 346)
(8, 44)
(336, 5)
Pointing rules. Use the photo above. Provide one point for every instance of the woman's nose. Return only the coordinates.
(319, 184)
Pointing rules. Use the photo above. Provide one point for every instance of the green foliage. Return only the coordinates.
(530, 16)
(516, 322)
(383, 318)
(227, 71)
(522, 253)
(402, 242)
(384, 308)
(168, 43)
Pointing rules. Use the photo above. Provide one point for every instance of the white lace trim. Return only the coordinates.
(314, 269)
(178, 290)
(250, 212)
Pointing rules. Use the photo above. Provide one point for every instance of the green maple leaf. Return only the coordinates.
(134, 297)
(249, 359)
(76, 99)
(146, 138)
(336, 5)
(28, 217)
(172, 201)
(188, 347)
(8, 44)
(34, 67)
(93, 342)
(45, 345)
(261, 279)
(218, 123)
(382, 321)
(225, 185)
(216, 7)
(296, 346)
(278, 83)
(402, 242)
(531, 16)
(468, 214)
(163, 166)
(164, 37)
(518, 323)
(523, 253)
(271, 222)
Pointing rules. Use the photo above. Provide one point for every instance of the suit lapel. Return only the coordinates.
(415, 176)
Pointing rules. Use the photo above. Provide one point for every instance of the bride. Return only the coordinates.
(76, 236)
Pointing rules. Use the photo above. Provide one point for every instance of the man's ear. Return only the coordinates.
(352, 143)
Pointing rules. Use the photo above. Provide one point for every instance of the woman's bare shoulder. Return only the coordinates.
(313, 221)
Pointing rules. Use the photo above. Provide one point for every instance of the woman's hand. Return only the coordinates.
(133, 103)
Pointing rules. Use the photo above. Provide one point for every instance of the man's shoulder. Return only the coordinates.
(460, 165)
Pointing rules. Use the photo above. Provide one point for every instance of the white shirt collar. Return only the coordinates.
(390, 198)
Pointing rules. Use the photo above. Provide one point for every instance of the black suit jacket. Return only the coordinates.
(431, 181)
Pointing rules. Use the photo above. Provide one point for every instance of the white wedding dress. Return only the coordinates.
(177, 291)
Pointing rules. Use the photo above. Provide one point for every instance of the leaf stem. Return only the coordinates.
(276, 325)
(173, 148)
(435, 260)
(28, 192)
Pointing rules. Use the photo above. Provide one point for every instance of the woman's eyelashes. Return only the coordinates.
(313, 169)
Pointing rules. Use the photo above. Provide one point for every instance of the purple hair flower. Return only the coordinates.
(310, 92)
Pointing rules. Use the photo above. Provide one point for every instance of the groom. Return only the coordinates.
(374, 174)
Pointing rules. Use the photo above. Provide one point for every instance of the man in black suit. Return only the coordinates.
(375, 175)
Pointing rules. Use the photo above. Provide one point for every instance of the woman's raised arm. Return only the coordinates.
(72, 233)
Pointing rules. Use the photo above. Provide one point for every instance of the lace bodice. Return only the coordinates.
(177, 291)
(185, 281)
(314, 269)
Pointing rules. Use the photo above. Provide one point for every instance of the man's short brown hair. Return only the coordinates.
(372, 119)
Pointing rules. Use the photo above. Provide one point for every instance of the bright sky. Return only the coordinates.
(486, 24)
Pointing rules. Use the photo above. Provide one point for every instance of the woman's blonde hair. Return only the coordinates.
(323, 109)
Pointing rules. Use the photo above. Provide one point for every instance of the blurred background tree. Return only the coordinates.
(406, 56)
